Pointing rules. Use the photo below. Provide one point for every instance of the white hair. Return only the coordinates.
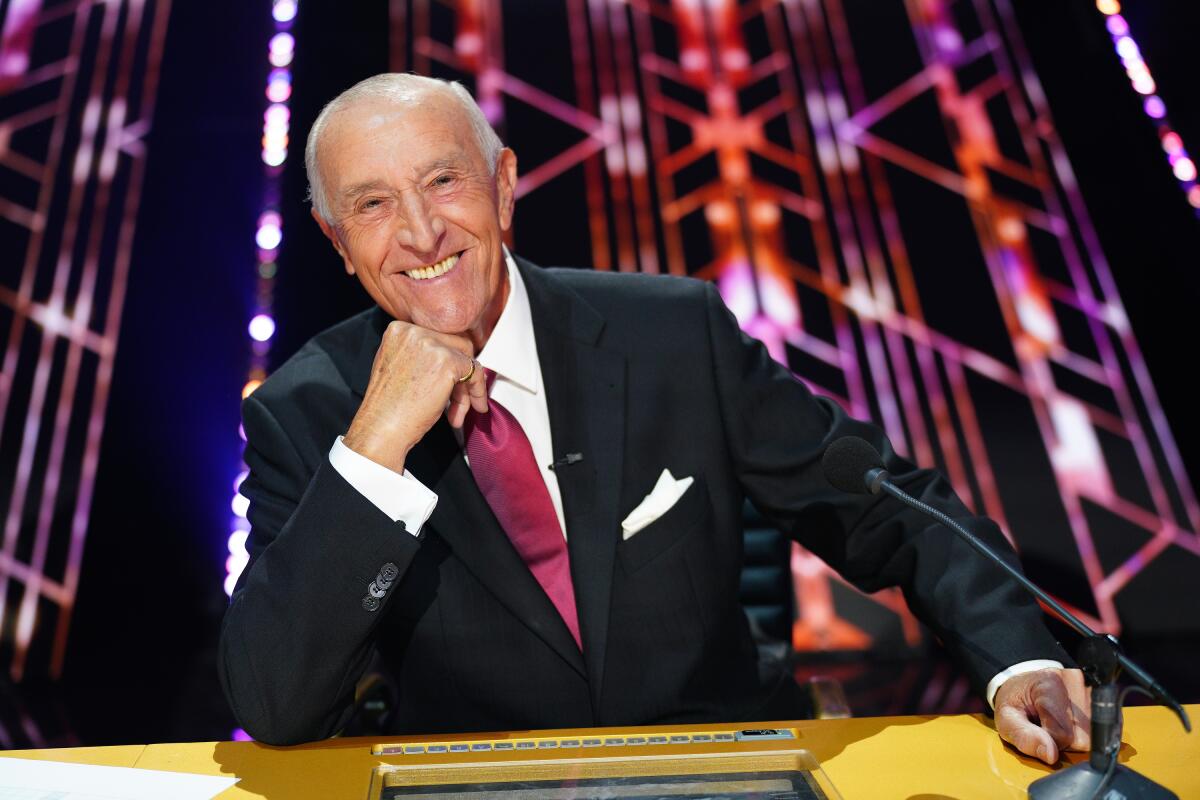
(400, 87)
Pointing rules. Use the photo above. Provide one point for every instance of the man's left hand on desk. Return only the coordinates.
(1042, 712)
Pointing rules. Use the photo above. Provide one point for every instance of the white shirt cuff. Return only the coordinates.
(1015, 670)
(402, 497)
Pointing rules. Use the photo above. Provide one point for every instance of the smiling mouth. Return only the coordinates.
(434, 270)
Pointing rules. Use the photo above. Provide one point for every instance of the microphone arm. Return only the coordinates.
(878, 480)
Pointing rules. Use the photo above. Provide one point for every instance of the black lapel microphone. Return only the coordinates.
(567, 460)
(853, 465)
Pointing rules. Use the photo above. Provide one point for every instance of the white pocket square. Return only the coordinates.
(666, 494)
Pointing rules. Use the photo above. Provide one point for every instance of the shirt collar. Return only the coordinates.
(511, 351)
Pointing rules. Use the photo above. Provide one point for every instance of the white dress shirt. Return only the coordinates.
(510, 352)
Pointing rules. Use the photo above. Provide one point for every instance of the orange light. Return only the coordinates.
(1108, 7)
(249, 388)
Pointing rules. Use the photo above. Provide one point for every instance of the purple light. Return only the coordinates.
(240, 735)
(275, 139)
(1128, 48)
(1185, 169)
(277, 115)
(237, 542)
(268, 237)
(279, 85)
(1144, 84)
(284, 10)
(1155, 107)
(273, 158)
(1117, 25)
(281, 48)
(240, 505)
(262, 328)
(278, 91)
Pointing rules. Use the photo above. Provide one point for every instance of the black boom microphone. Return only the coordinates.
(852, 465)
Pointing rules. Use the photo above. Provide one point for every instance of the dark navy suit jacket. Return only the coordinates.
(641, 373)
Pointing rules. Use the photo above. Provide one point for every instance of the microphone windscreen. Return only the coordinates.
(847, 461)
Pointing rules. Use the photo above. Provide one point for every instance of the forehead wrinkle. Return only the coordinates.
(366, 128)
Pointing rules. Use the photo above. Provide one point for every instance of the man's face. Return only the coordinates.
(417, 214)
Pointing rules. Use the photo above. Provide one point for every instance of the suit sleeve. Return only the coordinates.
(777, 432)
(299, 629)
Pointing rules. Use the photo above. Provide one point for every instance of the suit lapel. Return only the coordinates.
(466, 523)
(585, 396)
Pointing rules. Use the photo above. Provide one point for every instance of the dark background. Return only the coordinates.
(140, 662)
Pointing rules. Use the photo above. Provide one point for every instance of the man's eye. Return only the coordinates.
(370, 204)
(443, 180)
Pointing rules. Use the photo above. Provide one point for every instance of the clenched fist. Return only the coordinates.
(1041, 713)
(415, 374)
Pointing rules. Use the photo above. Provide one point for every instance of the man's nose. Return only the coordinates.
(420, 229)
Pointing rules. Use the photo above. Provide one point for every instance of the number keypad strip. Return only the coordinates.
(708, 738)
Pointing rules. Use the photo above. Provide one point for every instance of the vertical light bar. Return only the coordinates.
(268, 237)
(1182, 165)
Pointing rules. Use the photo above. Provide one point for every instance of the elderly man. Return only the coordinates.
(523, 487)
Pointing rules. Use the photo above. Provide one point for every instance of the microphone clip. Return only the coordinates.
(875, 478)
(567, 460)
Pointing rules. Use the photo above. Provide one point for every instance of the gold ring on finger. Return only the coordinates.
(469, 375)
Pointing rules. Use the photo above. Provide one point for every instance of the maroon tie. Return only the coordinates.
(507, 473)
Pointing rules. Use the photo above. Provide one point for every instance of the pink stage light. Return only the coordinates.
(1172, 143)
(240, 505)
(1117, 25)
(269, 236)
(277, 115)
(279, 88)
(1185, 169)
(262, 327)
(1155, 107)
(1144, 85)
(281, 47)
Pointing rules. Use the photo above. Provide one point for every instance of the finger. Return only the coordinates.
(477, 389)
(460, 404)
(1052, 706)
(1014, 727)
(1080, 695)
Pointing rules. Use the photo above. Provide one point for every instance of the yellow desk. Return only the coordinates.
(908, 758)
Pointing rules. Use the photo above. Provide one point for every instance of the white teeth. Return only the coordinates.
(440, 268)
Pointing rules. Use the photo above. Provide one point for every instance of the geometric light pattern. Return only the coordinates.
(77, 89)
(878, 189)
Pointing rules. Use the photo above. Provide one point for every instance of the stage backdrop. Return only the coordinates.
(77, 91)
(878, 189)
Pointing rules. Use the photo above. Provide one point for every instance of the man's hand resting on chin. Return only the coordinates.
(1043, 712)
(416, 378)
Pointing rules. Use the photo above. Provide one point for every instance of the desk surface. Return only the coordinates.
(870, 757)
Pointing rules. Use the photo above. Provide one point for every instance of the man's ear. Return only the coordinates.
(332, 235)
(506, 186)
